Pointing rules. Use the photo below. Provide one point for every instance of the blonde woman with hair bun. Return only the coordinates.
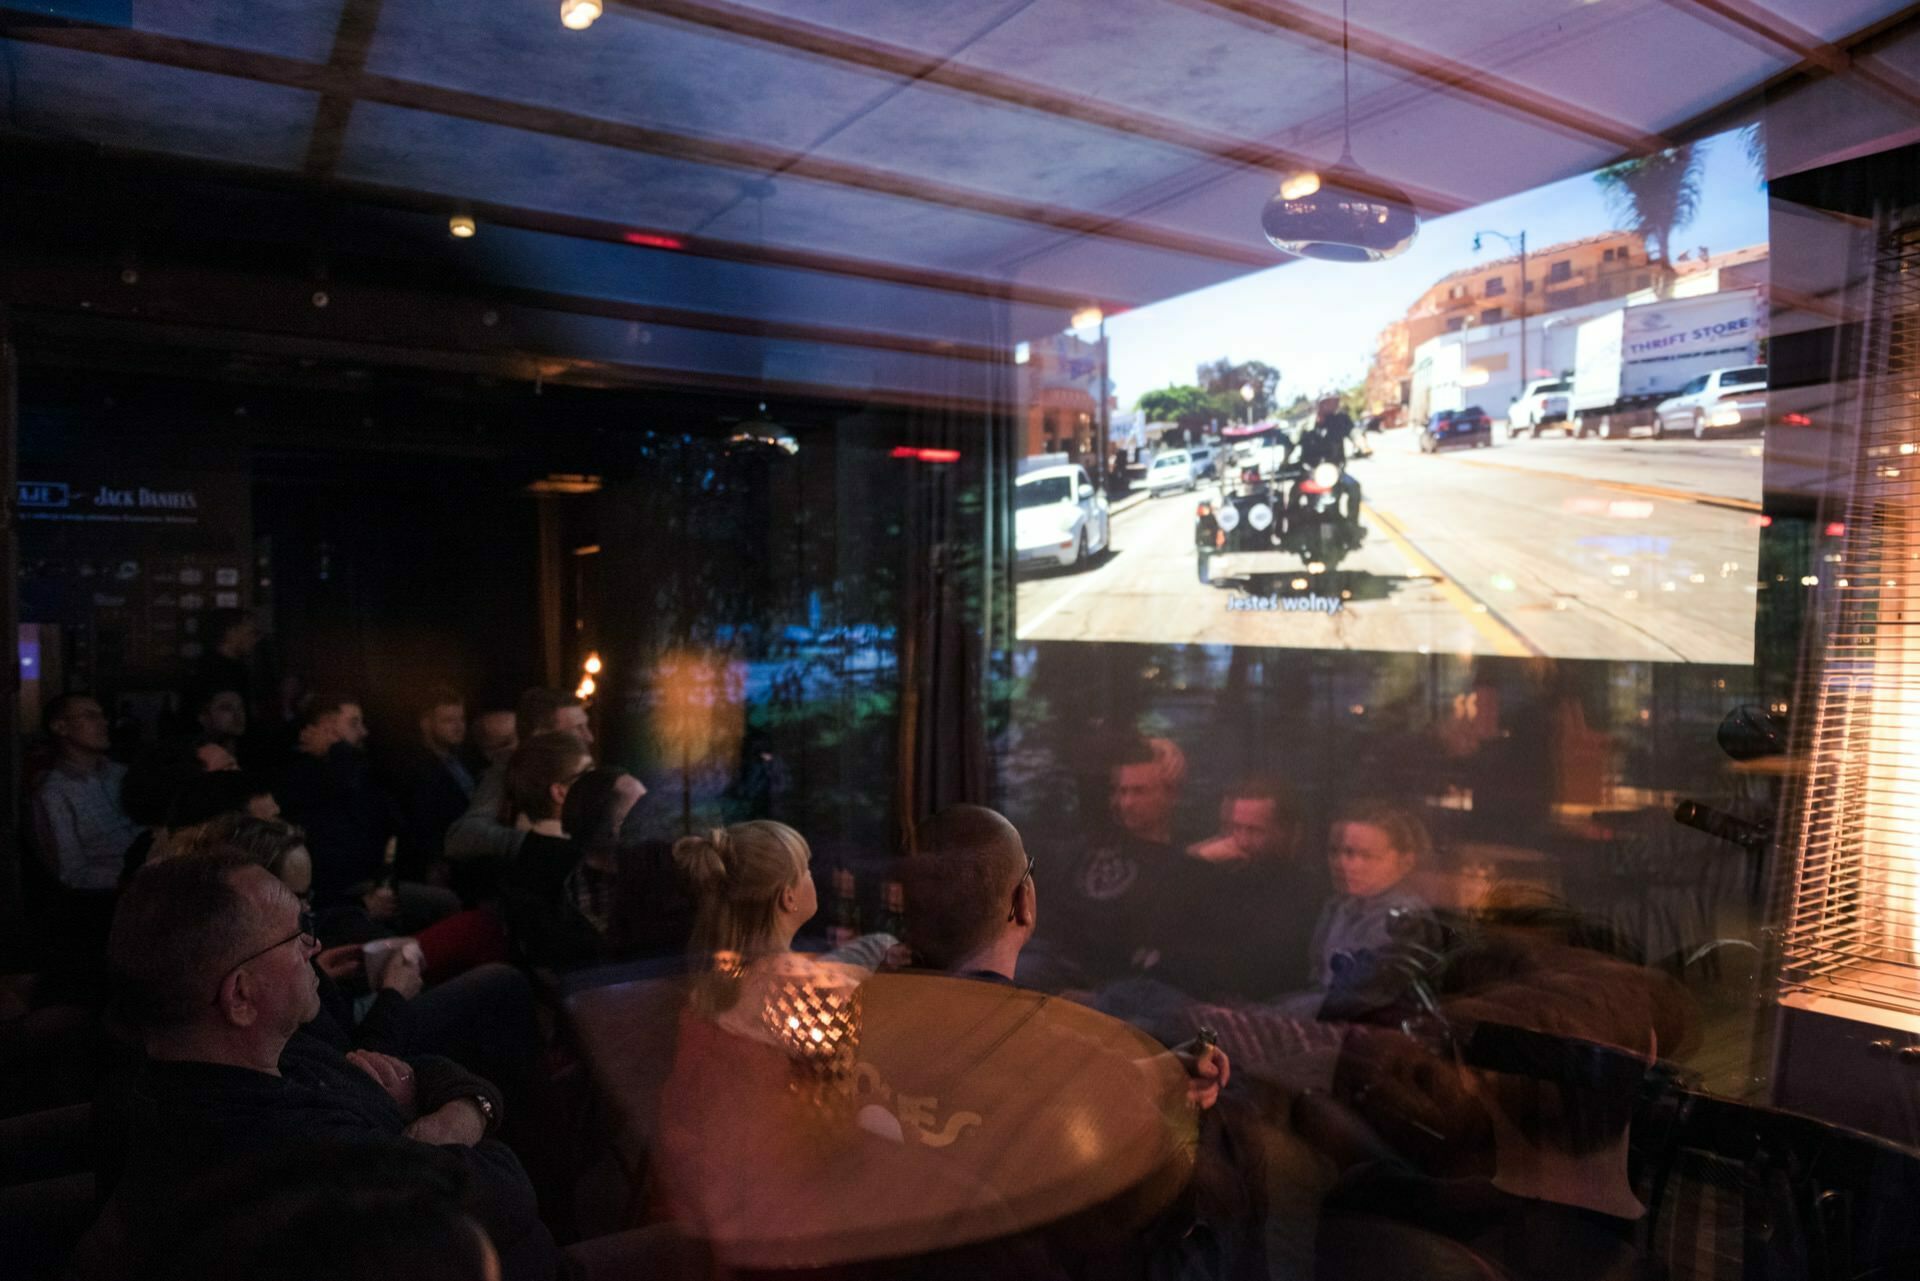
(731, 1123)
(753, 889)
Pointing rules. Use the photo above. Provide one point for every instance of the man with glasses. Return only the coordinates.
(211, 954)
(82, 830)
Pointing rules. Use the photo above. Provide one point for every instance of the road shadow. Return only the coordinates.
(1352, 586)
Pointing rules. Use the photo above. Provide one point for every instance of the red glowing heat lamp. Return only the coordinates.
(653, 240)
(926, 455)
(1836, 529)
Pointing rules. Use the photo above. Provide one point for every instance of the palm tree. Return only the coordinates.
(1654, 196)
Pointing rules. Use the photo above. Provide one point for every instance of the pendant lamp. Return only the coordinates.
(1345, 214)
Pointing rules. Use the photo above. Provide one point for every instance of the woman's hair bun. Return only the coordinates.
(702, 859)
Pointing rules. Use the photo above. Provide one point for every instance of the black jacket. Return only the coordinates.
(431, 799)
(346, 817)
(187, 1119)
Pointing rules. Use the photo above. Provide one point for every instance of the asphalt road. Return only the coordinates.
(1623, 550)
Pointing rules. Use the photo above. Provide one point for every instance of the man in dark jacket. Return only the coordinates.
(211, 954)
(433, 783)
(328, 791)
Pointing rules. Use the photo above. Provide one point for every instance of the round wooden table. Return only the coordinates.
(973, 1112)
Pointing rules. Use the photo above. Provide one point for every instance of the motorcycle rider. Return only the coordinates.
(1326, 442)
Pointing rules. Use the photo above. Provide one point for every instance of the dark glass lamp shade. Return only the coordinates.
(1350, 216)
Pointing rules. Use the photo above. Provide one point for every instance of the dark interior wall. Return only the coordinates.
(387, 578)
(381, 557)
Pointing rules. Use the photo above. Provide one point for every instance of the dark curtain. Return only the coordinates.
(957, 609)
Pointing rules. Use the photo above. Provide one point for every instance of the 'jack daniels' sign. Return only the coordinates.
(60, 502)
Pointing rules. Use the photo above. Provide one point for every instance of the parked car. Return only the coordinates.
(1170, 471)
(1451, 427)
(1542, 404)
(1720, 400)
(1059, 520)
(1205, 459)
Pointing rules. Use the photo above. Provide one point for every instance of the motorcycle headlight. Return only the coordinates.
(1227, 516)
(1260, 516)
(1326, 475)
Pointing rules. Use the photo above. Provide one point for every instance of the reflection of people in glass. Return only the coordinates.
(1371, 850)
(972, 904)
(1117, 891)
(1256, 899)
(1145, 787)
(1256, 826)
(1552, 1045)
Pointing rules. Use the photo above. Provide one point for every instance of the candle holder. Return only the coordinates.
(816, 1020)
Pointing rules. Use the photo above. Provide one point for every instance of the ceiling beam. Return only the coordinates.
(1857, 47)
(352, 39)
(92, 341)
(1768, 30)
(574, 227)
(748, 157)
(831, 44)
(1445, 74)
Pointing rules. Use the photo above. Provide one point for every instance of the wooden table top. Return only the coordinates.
(974, 1111)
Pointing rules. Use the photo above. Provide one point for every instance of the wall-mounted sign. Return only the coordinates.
(129, 557)
(108, 503)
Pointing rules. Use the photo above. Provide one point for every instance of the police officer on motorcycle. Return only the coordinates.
(1326, 441)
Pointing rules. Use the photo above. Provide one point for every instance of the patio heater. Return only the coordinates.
(1849, 961)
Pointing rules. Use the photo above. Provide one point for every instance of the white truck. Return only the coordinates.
(1540, 404)
(1628, 361)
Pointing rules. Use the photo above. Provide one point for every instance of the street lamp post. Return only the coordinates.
(1246, 394)
(1106, 424)
(1520, 242)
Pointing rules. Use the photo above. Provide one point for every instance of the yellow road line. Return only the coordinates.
(1496, 631)
(1624, 486)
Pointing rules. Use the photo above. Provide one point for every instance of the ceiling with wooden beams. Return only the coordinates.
(847, 174)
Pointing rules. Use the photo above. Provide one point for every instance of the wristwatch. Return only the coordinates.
(485, 1105)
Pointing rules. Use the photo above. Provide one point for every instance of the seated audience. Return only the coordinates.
(222, 717)
(230, 636)
(207, 796)
(487, 829)
(734, 1130)
(495, 735)
(1118, 896)
(434, 784)
(409, 1212)
(972, 906)
(480, 1017)
(1253, 898)
(212, 957)
(550, 930)
(593, 815)
(329, 791)
(1371, 850)
(154, 779)
(1553, 1045)
(82, 831)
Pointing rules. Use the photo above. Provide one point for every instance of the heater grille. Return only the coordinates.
(1852, 927)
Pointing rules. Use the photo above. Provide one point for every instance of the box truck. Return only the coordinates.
(1629, 360)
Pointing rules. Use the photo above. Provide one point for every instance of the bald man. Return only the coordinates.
(972, 906)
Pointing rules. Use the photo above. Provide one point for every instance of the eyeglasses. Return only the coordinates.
(1024, 876)
(304, 932)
